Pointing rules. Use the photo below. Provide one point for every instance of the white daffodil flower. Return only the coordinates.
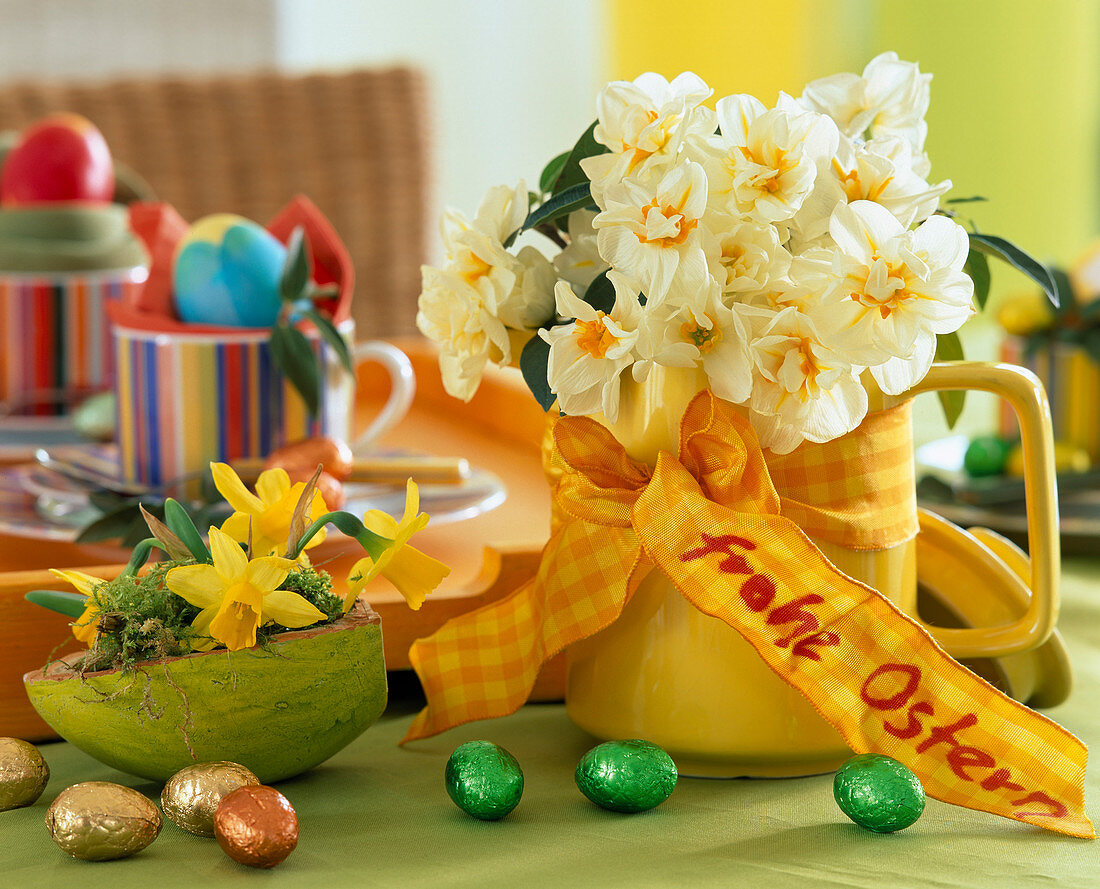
(478, 258)
(482, 289)
(651, 232)
(531, 302)
(745, 257)
(803, 384)
(580, 262)
(890, 99)
(589, 354)
(880, 171)
(765, 162)
(782, 293)
(475, 250)
(644, 122)
(453, 315)
(888, 291)
(775, 435)
(715, 338)
(503, 210)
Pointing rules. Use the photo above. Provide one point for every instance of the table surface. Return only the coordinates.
(378, 815)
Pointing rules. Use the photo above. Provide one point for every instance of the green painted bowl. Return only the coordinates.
(279, 711)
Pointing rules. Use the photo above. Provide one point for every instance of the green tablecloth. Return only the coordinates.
(377, 815)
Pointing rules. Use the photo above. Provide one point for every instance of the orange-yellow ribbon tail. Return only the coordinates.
(872, 672)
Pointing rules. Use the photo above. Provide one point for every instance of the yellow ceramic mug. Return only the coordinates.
(669, 673)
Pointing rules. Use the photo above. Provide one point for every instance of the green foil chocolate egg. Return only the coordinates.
(484, 780)
(626, 776)
(878, 793)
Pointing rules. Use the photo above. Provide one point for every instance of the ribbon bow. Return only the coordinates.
(713, 522)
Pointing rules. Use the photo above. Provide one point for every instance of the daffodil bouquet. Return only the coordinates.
(249, 580)
(798, 255)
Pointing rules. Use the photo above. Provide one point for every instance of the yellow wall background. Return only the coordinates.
(1015, 112)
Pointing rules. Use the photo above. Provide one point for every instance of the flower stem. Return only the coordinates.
(140, 556)
(346, 524)
(551, 231)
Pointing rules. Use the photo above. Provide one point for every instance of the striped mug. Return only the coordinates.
(186, 399)
(55, 341)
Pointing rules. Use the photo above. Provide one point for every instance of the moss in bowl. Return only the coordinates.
(279, 709)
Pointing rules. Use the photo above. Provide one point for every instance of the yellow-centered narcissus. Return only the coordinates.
(413, 573)
(238, 595)
(268, 512)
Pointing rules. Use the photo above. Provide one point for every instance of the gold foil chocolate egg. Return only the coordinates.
(98, 821)
(192, 795)
(256, 826)
(23, 774)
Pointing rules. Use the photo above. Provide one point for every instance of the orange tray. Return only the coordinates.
(490, 555)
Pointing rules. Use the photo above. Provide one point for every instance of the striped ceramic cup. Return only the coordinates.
(185, 399)
(55, 341)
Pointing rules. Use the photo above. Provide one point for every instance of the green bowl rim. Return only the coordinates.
(360, 615)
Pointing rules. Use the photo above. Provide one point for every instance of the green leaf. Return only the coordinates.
(973, 199)
(294, 357)
(949, 348)
(177, 519)
(113, 524)
(1062, 286)
(563, 203)
(69, 604)
(601, 294)
(532, 364)
(586, 146)
(296, 271)
(977, 267)
(1091, 344)
(136, 533)
(991, 245)
(552, 171)
(331, 336)
(1090, 312)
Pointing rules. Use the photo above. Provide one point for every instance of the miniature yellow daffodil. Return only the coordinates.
(238, 595)
(268, 512)
(84, 627)
(413, 573)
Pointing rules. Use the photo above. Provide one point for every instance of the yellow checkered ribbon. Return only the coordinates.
(712, 520)
(857, 491)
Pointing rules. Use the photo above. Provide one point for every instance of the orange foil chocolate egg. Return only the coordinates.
(256, 826)
(300, 458)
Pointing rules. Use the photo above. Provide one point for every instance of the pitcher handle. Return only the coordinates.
(1023, 391)
(402, 388)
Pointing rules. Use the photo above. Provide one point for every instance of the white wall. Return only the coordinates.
(513, 83)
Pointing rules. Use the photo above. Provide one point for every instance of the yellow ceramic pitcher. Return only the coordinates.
(669, 673)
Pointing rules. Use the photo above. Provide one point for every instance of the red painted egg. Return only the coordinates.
(62, 157)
